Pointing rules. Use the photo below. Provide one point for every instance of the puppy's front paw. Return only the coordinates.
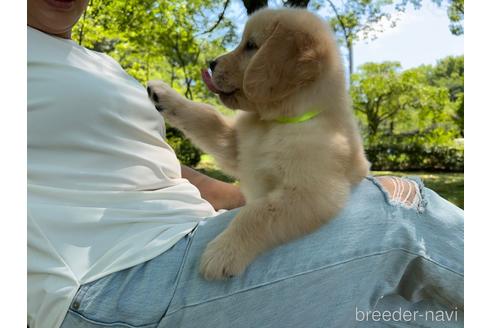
(164, 97)
(224, 258)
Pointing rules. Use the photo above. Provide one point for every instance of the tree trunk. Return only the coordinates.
(297, 3)
(373, 122)
(350, 59)
(254, 5)
(188, 92)
(81, 32)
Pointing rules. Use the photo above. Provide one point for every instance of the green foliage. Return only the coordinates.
(395, 105)
(414, 157)
(456, 14)
(186, 153)
(411, 119)
(450, 74)
(163, 39)
(355, 20)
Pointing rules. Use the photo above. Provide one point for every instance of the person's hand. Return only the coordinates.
(220, 194)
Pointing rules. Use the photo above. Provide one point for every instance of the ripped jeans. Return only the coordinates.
(392, 258)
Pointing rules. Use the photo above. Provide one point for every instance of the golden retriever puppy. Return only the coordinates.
(294, 144)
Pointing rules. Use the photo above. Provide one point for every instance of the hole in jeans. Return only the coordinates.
(401, 191)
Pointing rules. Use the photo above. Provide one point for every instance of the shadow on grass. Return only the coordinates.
(216, 174)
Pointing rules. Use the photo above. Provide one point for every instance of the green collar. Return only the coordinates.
(299, 119)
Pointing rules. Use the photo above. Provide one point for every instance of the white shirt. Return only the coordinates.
(104, 190)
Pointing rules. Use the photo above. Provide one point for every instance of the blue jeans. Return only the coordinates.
(377, 264)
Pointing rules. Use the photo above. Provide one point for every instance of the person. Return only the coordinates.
(116, 226)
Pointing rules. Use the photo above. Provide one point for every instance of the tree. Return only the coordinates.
(296, 3)
(353, 20)
(375, 91)
(158, 36)
(392, 103)
(449, 73)
(253, 5)
(456, 12)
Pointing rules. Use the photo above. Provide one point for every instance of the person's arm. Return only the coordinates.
(220, 194)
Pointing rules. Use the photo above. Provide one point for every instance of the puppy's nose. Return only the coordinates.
(212, 64)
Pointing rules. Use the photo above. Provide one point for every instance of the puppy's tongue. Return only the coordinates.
(207, 78)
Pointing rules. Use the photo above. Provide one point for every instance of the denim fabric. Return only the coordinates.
(375, 257)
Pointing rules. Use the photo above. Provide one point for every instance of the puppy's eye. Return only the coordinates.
(250, 45)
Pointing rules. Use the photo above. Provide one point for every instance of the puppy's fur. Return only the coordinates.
(295, 177)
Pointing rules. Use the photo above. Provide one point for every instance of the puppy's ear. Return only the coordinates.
(287, 61)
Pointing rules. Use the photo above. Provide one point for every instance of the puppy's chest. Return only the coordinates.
(261, 158)
(258, 149)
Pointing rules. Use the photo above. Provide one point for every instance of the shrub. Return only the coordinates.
(413, 157)
(184, 149)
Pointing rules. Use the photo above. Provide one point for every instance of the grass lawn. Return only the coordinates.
(449, 185)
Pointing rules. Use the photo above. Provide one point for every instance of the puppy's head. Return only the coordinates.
(281, 52)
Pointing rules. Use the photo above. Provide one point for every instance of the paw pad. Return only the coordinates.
(155, 99)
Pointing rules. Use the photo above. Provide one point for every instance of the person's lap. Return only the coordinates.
(375, 255)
